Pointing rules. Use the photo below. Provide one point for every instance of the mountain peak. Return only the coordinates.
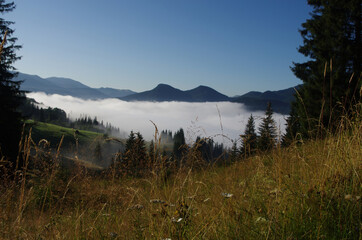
(164, 92)
(164, 86)
(206, 94)
(202, 86)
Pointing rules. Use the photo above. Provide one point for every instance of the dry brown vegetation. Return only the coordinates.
(309, 190)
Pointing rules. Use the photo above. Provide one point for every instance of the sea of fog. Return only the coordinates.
(223, 121)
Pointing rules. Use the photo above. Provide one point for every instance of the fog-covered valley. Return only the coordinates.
(223, 121)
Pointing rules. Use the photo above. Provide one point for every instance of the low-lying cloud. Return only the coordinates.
(211, 119)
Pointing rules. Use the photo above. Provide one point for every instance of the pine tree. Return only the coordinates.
(129, 154)
(249, 144)
(332, 76)
(134, 160)
(179, 143)
(292, 128)
(130, 142)
(234, 152)
(267, 131)
(141, 153)
(10, 94)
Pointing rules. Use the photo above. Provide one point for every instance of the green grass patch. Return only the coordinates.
(53, 133)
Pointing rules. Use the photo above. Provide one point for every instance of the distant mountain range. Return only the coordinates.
(66, 86)
(256, 101)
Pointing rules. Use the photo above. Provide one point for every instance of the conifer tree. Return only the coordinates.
(141, 153)
(332, 76)
(249, 138)
(134, 158)
(179, 143)
(130, 142)
(267, 131)
(127, 161)
(234, 152)
(10, 94)
(291, 129)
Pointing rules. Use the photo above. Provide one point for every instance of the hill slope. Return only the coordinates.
(81, 142)
(306, 191)
(115, 93)
(67, 86)
(281, 100)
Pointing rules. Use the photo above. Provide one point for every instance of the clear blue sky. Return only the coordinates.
(234, 46)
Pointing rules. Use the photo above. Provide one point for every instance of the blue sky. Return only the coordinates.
(234, 46)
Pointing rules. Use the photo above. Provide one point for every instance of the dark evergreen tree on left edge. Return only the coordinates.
(10, 94)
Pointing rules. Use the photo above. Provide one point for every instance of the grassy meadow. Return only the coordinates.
(310, 190)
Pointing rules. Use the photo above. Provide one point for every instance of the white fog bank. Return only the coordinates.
(197, 119)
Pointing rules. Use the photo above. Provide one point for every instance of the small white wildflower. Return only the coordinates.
(260, 219)
(178, 220)
(227, 195)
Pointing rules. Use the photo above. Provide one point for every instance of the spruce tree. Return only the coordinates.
(135, 157)
(331, 76)
(130, 142)
(234, 152)
(267, 130)
(179, 143)
(10, 94)
(127, 161)
(292, 128)
(141, 153)
(249, 138)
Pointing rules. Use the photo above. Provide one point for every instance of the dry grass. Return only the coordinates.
(310, 190)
